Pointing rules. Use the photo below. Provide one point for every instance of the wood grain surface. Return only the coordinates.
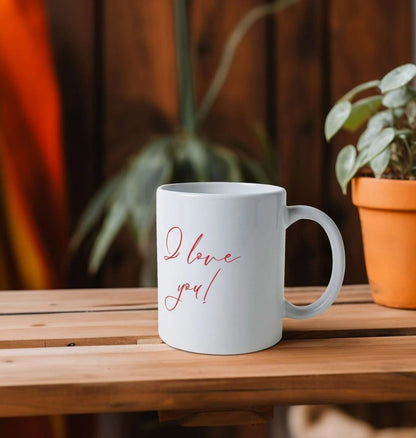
(100, 352)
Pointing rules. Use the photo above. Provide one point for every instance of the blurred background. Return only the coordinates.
(85, 83)
(115, 64)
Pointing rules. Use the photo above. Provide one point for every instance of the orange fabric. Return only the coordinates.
(34, 200)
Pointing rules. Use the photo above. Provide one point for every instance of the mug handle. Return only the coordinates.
(295, 213)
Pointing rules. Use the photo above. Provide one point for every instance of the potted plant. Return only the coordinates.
(382, 168)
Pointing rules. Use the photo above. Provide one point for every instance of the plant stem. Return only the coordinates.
(183, 67)
(407, 170)
(230, 48)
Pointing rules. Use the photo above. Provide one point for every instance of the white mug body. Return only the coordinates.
(221, 251)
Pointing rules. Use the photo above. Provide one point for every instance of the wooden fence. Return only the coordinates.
(116, 66)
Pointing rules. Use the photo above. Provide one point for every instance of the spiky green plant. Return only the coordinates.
(129, 197)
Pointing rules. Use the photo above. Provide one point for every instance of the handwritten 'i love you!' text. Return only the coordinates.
(173, 246)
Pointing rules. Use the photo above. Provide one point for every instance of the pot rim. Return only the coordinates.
(382, 193)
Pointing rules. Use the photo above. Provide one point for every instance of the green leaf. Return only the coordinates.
(362, 158)
(269, 161)
(146, 172)
(361, 111)
(195, 152)
(359, 88)
(367, 137)
(184, 67)
(151, 168)
(336, 118)
(379, 163)
(153, 151)
(95, 209)
(232, 43)
(411, 113)
(111, 226)
(399, 97)
(380, 120)
(398, 77)
(398, 112)
(345, 166)
(151, 158)
(225, 165)
(253, 172)
(230, 163)
(264, 140)
(380, 142)
(375, 124)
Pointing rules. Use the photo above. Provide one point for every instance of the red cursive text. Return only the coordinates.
(208, 258)
(173, 243)
(171, 302)
(172, 231)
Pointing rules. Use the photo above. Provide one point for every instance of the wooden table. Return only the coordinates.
(87, 351)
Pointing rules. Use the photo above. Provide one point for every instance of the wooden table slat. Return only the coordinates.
(349, 294)
(356, 351)
(76, 300)
(133, 326)
(90, 300)
(157, 377)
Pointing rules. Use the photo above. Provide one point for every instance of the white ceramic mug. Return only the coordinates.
(221, 256)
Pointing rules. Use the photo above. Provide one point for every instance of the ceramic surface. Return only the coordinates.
(221, 251)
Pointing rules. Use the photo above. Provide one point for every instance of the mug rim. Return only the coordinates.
(220, 188)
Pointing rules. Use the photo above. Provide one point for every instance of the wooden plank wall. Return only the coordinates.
(116, 66)
(74, 30)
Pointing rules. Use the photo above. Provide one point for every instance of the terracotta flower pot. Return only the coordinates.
(387, 211)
